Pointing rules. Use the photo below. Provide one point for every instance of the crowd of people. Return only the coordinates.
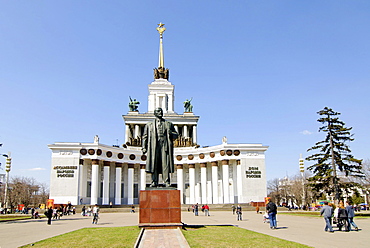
(342, 216)
(204, 209)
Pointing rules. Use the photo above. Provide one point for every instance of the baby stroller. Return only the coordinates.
(266, 218)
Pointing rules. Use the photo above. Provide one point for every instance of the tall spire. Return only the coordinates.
(161, 71)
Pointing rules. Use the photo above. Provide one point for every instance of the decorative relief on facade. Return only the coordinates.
(190, 156)
(83, 151)
(229, 152)
(91, 151)
(65, 153)
(179, 157)
(99, 152)
(252, 154)
(143, 157)
(201, 156)
(109, 154)
(212, 154)
(120, 155)
(132, 156)
(236, 152)
(222, 153)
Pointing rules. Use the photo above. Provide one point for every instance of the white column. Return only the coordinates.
(239, 180)
(142, 177)
(117, 199)
(105, 200)
(214, 182)
(185, 131)
(180, 181)
(94, 182)
(130, 184)
(81, 182)
(170, 103)
(225, 180)
(137, 131)
(192, 183)
(203, 181)
(195, 134)
(127, 134)
(177, 128)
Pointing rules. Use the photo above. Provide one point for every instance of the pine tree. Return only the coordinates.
(333, 157)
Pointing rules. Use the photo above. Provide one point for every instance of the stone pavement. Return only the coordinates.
(163, 238)
(304, 230)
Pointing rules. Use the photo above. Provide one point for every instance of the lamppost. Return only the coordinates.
(301, 169)
(7, 170)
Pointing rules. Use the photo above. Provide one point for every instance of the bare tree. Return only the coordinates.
(274, 191)
(27, 191)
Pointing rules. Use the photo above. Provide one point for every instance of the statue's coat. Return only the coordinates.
(150, 140)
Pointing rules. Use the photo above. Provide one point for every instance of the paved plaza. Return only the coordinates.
(304, 230)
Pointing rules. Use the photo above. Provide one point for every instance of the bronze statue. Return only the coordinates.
(188, 106)
(157, 142)
(133, 105)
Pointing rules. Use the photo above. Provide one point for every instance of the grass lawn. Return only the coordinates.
(210, 236)
(94, 237)
(231, 236)
(7, 217)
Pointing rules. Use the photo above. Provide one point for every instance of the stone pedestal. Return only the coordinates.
(160, 208)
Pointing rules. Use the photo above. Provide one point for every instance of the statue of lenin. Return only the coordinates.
(157, 142)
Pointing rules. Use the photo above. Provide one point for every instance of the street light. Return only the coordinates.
(301, 169)
(7, 170)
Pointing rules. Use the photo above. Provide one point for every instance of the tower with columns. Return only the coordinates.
(94, 173)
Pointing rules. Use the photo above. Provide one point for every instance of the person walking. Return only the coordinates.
(49, 214)
(327, 212)
(83, 213)
(95, 212)
(342, 217)
(271, 209)
(196, 209)
(206, 210)
(239, 212)
(351, 214)
(258, 209)
(233, 208)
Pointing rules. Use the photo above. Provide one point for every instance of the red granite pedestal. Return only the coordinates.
(160, 209)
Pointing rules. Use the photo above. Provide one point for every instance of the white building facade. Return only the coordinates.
(94, 173)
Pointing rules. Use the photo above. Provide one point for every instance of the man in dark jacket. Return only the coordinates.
(272, 211)
(49, 214)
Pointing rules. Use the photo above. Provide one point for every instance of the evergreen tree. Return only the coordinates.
(333, 157)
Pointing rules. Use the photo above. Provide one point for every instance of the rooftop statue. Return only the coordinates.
(133, 105)
(188, 107)
(161, 71)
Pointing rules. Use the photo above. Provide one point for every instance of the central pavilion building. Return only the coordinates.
(94, 173)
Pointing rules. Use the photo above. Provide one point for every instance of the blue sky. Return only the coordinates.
(258, 72)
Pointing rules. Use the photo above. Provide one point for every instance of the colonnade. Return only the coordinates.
(209, 191)
(135, 131)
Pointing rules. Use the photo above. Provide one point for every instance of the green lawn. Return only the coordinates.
(231, 236)
(210, 236)
(94, 237)
(7, 217)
